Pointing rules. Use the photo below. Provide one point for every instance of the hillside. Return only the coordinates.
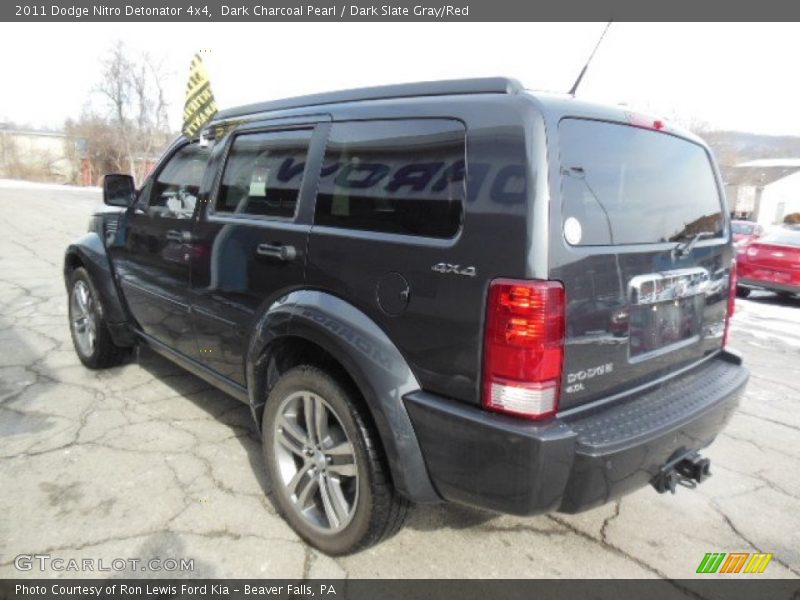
(734, 147)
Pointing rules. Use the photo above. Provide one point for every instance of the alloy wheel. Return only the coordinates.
(82, 318)
(316, 462)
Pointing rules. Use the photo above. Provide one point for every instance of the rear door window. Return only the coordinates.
(405, 177)
(627, 185)
(263, 174)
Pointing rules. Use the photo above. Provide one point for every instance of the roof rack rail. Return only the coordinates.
(485, 85)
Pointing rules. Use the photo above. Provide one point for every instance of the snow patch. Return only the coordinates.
(768, 321)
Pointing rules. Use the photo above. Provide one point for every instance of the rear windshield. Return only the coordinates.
(628, 185)
(785, 237)
(742, 228)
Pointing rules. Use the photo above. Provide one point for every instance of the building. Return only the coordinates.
(764, 190)
(34, 155)
(54, 156)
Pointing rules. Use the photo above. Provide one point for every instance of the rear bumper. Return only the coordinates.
(768, 285)
(575, 462)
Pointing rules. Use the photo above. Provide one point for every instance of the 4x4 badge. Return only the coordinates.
(456, 269)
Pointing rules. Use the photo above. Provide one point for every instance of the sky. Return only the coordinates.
(730, 76)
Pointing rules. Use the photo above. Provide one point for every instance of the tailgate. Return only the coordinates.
(643, 254)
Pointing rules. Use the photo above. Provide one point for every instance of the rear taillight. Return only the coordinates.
(524, 347)
(731, 303)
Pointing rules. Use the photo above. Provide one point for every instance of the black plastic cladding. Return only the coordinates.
(497, 462)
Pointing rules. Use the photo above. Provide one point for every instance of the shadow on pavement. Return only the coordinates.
(219, 405)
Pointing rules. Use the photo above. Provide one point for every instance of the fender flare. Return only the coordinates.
(368, 356)
(89, 251)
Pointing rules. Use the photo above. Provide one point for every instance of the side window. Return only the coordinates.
(263, 174)
(405, 176)
(175, 189)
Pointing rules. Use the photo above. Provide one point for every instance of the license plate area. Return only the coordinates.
(666, 311)
(771, 275)
(660, 327)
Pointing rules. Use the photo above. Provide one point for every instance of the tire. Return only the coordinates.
(86, 313)
(742, 292)
(362, 505)
(785, 295)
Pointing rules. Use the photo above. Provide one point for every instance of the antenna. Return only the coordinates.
(591, 56)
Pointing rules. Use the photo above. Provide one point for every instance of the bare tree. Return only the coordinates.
(132, 89)
(95, 146)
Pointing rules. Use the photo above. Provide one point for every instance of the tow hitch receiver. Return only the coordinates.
(687, 470)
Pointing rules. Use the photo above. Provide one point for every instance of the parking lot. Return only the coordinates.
(146, 461)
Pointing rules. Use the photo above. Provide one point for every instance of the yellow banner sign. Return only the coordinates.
(200, 105)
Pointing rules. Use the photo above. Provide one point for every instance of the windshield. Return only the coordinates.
(627, 185)
(742, 228)
(784, 237)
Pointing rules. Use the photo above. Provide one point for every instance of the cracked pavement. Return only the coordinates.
(145, 460)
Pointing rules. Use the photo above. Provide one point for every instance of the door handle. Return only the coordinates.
(277, 251)
(176, 235)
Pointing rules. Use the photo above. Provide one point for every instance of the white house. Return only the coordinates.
(34, 154)
(764, 190)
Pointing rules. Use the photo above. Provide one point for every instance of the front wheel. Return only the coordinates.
(326, 474)
(90, 335)
(742, 292)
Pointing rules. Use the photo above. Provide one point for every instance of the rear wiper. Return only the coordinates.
(684, 248)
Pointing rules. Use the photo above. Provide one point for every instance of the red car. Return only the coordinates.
(745, 232)
(770, 263)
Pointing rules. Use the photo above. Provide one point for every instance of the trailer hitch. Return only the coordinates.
(687, 470)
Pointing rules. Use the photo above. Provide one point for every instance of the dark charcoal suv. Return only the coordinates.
(454, 291)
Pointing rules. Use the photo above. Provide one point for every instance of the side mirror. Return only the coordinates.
(118, 190)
